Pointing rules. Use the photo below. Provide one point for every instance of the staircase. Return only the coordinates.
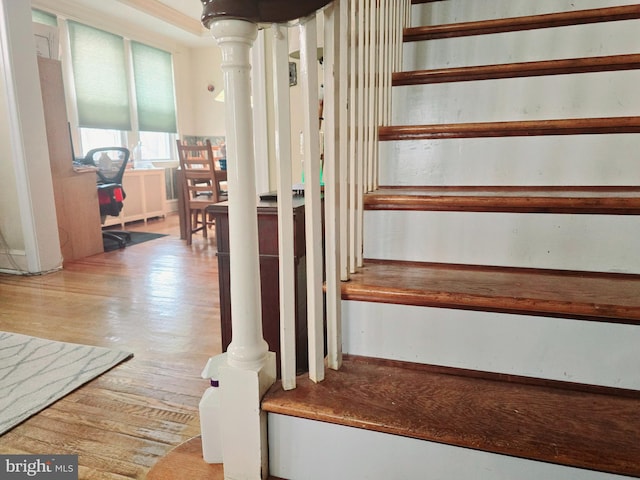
(494, 329)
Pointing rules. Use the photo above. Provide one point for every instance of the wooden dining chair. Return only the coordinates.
(200, 186)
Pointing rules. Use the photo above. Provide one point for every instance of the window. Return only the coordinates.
(108, 114)
(99, 74)
(153, 76)
(156, 145)
(39, 16)
(99, 137)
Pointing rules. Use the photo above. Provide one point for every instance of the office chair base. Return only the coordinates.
(121, 237)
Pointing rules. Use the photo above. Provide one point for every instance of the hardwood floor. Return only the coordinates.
(157, 299)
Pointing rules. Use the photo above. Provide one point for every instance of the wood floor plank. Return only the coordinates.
(154, 429)
(185, 461)
(157, 299)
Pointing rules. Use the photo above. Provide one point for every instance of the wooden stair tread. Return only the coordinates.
(574, 126)
(582, 200)
(522, 69)
(501, 25)
(606, 297)
(588, 430)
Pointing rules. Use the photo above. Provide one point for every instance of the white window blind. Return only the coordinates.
(155, 98)
(99, 71)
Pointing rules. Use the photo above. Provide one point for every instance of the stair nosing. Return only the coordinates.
(500, 290)
(603, 200)
(530, 22)
(520, 69)
(516, 128)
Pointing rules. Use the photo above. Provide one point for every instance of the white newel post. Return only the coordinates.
(250, 368)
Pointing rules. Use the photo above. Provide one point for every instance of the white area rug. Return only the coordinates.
(35, 372)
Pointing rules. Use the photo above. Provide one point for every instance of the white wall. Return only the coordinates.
(36, 226)
(9, 213)
(208, 115)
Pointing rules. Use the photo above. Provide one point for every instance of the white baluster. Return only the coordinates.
(372, 116)
(343, 106)
(332, 163)
(282, 115)
(313, 205)
(354, 108)
(361, 126)
(251, 369)
(376, 56)
(383, 79)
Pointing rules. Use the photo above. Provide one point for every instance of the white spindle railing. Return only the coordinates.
(313, 205)
(342, 151)
(361, 50)
(282, 115)
(333, 111)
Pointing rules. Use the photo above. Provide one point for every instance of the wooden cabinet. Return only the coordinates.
(75, 194)
(269, 276)
(146, 196)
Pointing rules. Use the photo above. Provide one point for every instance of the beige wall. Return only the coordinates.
(194, 70)
(9, 213)
(208, 115)
(28, 220)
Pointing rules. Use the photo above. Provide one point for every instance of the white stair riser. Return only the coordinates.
(553, 160)
(589, 95)
(550, 348)
(302, 449)
(455, 11)
(570, 242)
(613, 38)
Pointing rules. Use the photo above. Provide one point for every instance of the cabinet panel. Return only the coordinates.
(75, 194)
(269, 277)
(155, 184)
(146, 196)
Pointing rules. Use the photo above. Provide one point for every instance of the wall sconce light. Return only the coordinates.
(219, 95)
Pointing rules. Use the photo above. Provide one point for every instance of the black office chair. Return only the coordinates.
(111, 163)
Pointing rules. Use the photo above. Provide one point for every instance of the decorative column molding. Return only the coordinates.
(251, 368)
(247, 348)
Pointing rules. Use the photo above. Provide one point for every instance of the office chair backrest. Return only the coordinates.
(110, 161)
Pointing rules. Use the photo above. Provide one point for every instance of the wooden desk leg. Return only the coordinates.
(181, 206)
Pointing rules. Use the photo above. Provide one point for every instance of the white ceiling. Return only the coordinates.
(179, 20)
(191, 8)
